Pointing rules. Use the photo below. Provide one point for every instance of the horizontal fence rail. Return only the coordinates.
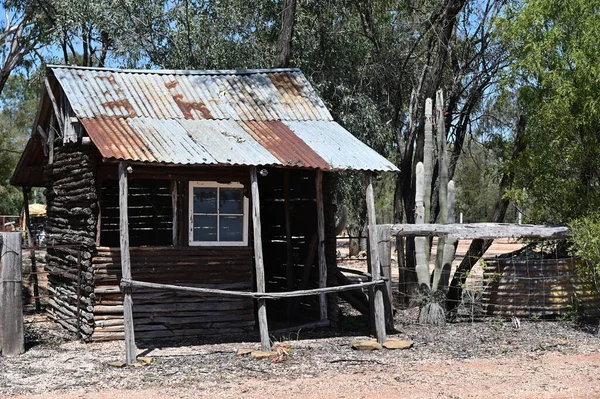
(246, 294)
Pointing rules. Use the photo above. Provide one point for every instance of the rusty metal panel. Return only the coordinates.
(339, 147)
(289, 149)
(188, 142)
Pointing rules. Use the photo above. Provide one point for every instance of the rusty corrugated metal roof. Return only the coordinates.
(250, 117)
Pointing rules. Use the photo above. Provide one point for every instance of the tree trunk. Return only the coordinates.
(286, 33)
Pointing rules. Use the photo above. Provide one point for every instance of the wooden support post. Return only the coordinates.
(321, 246)
(51, 134)
(130, 349)
(383, 234)
(289, 267)
(31, 243)
(12, 338)
(174, 204)
(375, 263)
(263, 325)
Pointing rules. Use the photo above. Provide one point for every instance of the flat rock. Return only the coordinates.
(244, 351)
(145, 359)
(262, 355)
(394, 343)
(118, 364)
(363, 345)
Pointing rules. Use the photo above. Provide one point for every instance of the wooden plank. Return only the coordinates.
(263, 325)
(130, 349)
(375, 263)
(174, 197)
(55, 107)
(12, 338)
(385, 257)
(480, 230)
(321, 244)
(51, 136)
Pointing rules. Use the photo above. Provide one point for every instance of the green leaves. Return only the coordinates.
(556, 74)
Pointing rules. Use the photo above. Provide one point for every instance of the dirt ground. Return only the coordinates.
(476, 357)
(479, 359)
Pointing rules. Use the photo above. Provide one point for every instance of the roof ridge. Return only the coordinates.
(180, 71)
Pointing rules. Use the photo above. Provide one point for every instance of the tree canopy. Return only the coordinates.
(555, 73)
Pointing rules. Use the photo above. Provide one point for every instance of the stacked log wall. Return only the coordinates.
(160, 314)
(72, 216)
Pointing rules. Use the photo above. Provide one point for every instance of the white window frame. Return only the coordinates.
(214, 184)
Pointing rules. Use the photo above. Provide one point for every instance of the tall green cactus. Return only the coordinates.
(421, 243)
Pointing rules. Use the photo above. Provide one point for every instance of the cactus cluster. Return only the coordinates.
(432, 310)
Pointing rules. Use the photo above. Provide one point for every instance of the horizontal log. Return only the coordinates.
(480, 230)
(254, 295)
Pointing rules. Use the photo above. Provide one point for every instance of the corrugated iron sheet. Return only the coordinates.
(262, 117)
(339, 147)
(261, 96)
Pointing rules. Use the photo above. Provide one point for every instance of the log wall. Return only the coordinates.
(160, 314)
(72, 215)
(545, 288)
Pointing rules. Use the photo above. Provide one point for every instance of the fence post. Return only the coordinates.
(12, 337)
(384, 243)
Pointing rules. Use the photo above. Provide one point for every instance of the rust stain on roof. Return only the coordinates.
(186, 107)
(286, 146)
(122, 103)
(110, 78)
(171, 85)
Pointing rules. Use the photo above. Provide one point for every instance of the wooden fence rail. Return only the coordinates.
(246, 294)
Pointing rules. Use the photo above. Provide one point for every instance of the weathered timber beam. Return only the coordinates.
(263, 326)
(378, 306)
(130, 349)
(481, 230)
(55, 107)
(254, 295)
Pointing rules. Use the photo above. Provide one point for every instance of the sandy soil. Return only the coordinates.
(463, 360)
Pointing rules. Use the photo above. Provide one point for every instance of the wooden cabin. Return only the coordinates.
(149, 176)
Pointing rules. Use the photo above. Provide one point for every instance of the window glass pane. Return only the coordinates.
(230, 200)
(230, 228)
(205, 228)
(205, 200)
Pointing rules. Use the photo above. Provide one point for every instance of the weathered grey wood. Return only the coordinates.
(69, 132)
(481, 230)
(263, 324)
(44, 137)
(55, 107)
(174, 196)
(384, 244)
(130, 349)
(245, 294)
(51, 134)
(379, 312)
(12, 336)
(321, 244)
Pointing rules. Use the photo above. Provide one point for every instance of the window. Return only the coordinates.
(218, 214)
